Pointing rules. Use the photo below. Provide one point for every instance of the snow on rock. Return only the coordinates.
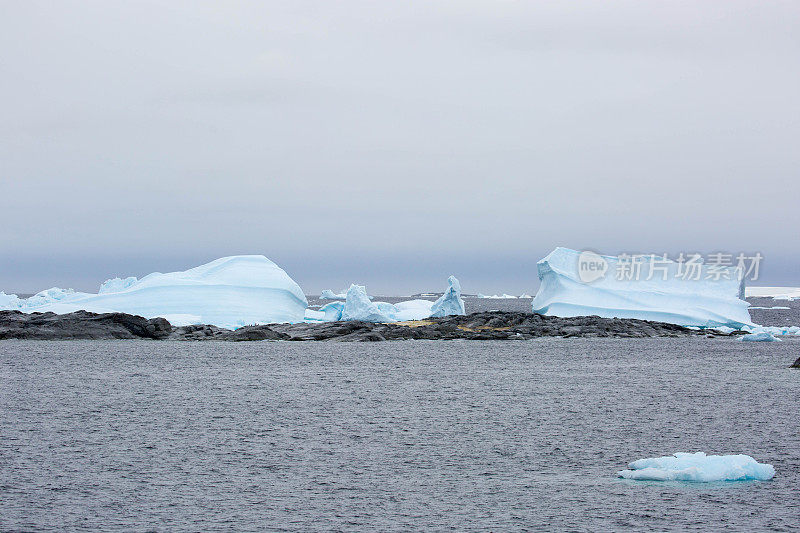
(565, 291)
(450, 302)
(698, 467)
(328, 294)
(229, 292)
(762, 336)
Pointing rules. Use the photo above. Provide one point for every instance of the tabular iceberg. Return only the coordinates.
(229, 292)
(698, 467)
(567, 290)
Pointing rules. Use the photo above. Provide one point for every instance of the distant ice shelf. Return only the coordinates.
(776, 293)
(698, 467)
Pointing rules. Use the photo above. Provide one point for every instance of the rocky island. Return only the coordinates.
(491, 325)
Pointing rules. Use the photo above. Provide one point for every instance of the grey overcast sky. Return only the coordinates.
(393, 143)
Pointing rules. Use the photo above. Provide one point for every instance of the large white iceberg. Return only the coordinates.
(698, 467)
(229, 292)
(450, 303)
(583, 283)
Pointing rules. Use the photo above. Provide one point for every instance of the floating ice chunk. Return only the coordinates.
(412, 310)
(772, 330)
(229, 292)
(525, 295)
(450, 302)
(358, 306)
(773, 307)
(570, 288)
(333, 311)
(117, 285)
(328, 294)
(496, 296)
(698, 467)
(761, 336)
(314, 316)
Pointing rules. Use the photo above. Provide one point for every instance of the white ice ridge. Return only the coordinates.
(357, 306)
(698, 467)
(665, 297)
(229, 292)
(776, 293)
(498, 296)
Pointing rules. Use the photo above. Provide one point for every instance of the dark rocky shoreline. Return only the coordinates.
(489, 325)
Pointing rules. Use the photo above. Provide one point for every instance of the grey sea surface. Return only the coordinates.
(392, 436)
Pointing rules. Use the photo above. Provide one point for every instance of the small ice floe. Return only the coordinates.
(761, 336)
(773, 307)
(698, 467)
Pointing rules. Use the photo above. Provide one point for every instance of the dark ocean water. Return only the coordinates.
(415, 435)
